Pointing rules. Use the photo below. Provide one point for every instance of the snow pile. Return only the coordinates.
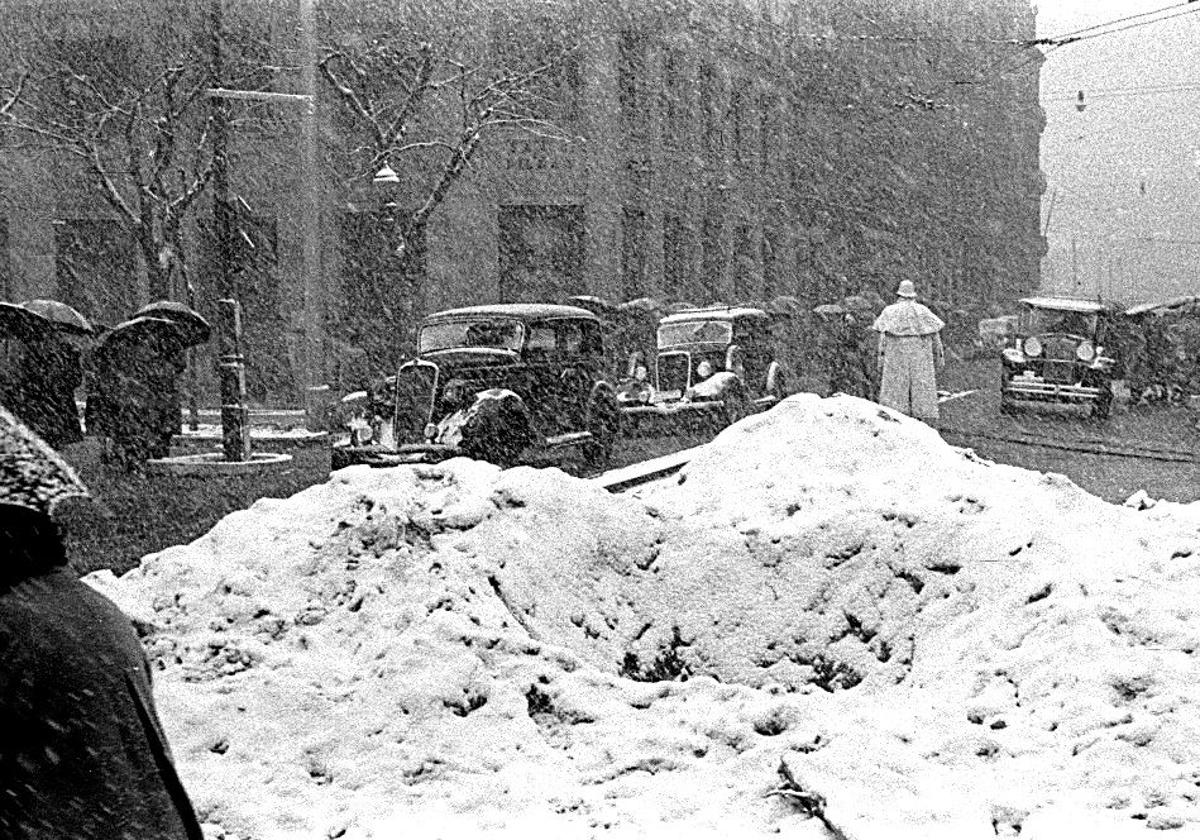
(830, 612)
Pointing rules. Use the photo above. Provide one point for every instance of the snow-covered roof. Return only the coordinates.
(714, 313)
(523, 311)
(1163, 305)
(1069, 304)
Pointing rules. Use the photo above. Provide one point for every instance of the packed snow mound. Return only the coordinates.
(829, 612)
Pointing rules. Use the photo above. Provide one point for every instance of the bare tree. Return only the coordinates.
(130, 111)
(141, 146)
(421, 103)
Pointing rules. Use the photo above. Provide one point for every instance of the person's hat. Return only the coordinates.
(906, 290)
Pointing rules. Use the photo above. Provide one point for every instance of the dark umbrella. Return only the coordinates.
(32, 475)
(143, 329)
(64, 317)
(20, 323)
(194, 328)
(785, 305)
(642, 304)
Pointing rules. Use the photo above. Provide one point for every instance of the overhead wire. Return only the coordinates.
(1087, 33)
(1138, 16)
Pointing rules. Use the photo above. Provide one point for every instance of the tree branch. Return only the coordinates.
(351, 97)
(398, 128)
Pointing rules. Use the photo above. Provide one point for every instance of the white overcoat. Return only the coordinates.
(910, 354)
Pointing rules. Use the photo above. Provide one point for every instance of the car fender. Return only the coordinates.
(776, 375)
(716, 385)
(496, 426)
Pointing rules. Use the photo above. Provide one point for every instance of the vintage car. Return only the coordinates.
(506, 383)
(1060, 353)
(713, 366)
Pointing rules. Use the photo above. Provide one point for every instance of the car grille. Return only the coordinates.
(1060, 348)
(414, 397)
(673, 372)
(1059, 372)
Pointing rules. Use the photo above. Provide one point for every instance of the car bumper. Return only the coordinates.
(346, 455)
(1040, 390)
(672, 409)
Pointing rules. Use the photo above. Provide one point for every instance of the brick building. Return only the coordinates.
(725, 150)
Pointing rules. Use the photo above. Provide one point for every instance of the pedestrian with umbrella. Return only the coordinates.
(82, 751)
(194, 330)
(47, 369)
(134, 402)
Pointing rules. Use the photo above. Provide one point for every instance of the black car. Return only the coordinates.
(713, 366)
(506, 383)
(1061, 354)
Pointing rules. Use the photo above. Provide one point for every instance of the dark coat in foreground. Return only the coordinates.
(82, 752)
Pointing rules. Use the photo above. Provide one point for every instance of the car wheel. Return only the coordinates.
(603, 420)
(1006, 403)
(1102, 407)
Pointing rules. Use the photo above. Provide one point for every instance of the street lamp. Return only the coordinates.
(385, 181)
(385, 176)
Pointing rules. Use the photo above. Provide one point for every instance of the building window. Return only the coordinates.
(541, 252)
(6, 279)
(523, 41)
(675, 265)
(743, 263)
(772, 264)
(634, 259)
(95, 268)
(631, 80)
(674, 93)
(713, 128)
(713, 270)
(739, 102)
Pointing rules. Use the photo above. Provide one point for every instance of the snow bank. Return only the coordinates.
(831, 612)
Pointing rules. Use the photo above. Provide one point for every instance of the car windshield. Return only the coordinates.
(1034, 320)
(691, 332)
(495, 333)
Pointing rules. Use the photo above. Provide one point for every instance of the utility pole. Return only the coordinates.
(316, 389)
(1074, 265)
(231, 372)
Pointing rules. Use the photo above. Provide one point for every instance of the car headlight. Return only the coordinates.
(704, 369)
(1032, 346)
(1085, 352)
(361, 432)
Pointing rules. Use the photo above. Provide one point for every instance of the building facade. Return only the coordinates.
(727, 150)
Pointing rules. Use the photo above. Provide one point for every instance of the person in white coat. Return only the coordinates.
(910, 354)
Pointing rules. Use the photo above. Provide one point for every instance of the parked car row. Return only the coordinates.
(529, 383)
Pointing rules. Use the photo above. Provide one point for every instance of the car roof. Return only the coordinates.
(521, 311)
(714, 313)
(1070, 304)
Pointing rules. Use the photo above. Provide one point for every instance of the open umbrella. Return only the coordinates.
(194, 328)
(141, 330)
(23, 324)
(64, 317)
(32, 475)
